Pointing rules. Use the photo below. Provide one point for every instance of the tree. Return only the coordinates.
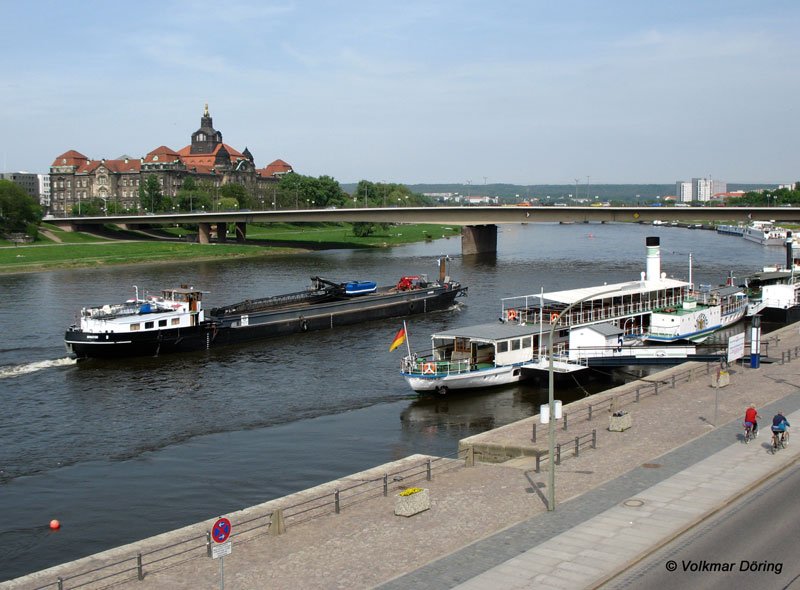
(363, 229)
(150, 196)
(237, 192)
(188, 195)
(295, 191)
(89, 207)
(19, 212)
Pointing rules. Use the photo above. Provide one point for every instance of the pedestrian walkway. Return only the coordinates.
(599, 548)
(593, 537)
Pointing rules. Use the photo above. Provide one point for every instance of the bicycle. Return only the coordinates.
(748, 432)
(779, 440)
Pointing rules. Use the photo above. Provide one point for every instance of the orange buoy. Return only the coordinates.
(55, 525)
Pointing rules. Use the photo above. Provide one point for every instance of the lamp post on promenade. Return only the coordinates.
(551, 426)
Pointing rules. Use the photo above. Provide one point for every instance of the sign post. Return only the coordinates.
(220, 532)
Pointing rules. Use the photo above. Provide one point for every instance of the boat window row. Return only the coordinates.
(514, 344)
(151, 325)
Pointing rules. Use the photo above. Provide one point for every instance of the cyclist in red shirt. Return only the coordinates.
(751, 415)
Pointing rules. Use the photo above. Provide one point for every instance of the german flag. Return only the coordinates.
(398, 339)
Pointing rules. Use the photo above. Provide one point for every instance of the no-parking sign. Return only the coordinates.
(221, 530)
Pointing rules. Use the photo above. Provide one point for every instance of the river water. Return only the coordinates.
(118, 451)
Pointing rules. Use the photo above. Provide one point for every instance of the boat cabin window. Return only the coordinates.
(515, 344)
(176, 321)
(148, 325)
(462, 345)
(162, 323)
(135, 327)
(502, 346)
(526, 342)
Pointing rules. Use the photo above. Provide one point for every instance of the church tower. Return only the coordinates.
(205, 140)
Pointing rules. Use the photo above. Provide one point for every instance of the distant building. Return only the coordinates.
(75, 177)
(478, 200)
(44, 191)
(683, 191)
(25, 180)
(705, 188)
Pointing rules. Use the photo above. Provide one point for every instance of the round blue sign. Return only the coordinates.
(221, 530)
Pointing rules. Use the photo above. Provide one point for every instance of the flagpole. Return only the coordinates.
(408, 344)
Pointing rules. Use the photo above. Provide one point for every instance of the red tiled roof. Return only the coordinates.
(72, 158)
(119, 166)
(276, 167)
(164, 153)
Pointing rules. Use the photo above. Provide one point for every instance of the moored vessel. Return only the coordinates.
(765, 233)
(635, 321)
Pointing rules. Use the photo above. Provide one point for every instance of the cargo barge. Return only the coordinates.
(175, 321)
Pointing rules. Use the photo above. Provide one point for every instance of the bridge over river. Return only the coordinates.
(479, 233)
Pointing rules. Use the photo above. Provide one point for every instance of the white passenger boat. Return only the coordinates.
(654, 308)
(765, 233)
(775, 291)
(699, 315)
(731, 230)
(475, 357)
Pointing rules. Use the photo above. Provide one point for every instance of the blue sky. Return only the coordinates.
(525, 92)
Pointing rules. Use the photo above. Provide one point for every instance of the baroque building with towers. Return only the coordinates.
(75, 177)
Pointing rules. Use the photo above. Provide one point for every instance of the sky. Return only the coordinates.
(522, 92)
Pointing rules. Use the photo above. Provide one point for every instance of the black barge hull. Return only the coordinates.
(225, 330)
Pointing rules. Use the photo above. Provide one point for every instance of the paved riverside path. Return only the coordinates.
(487, 523)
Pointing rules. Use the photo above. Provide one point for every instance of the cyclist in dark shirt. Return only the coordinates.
(779, 425)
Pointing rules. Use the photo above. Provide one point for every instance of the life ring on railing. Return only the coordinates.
(553, 317)
(511, 315)
(428, 368)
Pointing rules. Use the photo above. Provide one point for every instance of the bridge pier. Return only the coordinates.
(204, 233)
(479, 239)
(222, 232)
(241, 231)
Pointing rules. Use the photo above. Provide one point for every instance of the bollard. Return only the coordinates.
(577, 446)
(428, 474)
(673, 382)
(708, 368)
(470, 458)
(594, 438)
(538, 465)
(565, 421)
(139, 570)
(637, 395)
(208, 543)
(385, 484)
(336, 501)
(277, 526)
(60, 583)
(590, 413)
(655, 386)
(533, 433)
(782, 353)
(558, 454)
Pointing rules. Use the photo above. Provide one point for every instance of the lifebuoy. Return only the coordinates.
(553, 317)
(511, 315)
(428, 368)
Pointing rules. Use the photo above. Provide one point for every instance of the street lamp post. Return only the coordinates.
(551, 426)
